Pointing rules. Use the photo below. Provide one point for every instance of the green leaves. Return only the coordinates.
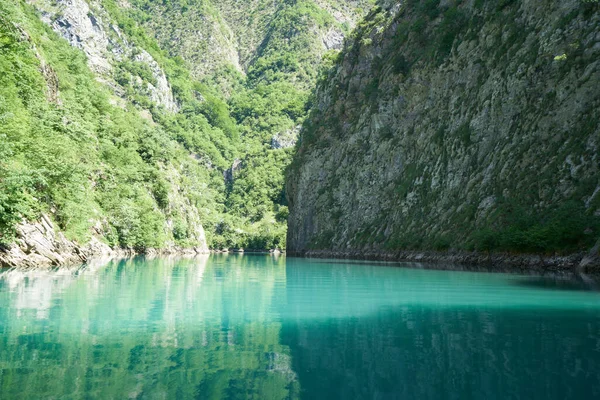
(87, 162)
(83, 161)
(567, 227)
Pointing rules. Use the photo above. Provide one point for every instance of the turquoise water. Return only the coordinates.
(263, 327)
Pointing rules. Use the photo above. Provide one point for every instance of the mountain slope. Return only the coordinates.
(455, 125)
(280, 48)
(110, 137)
(213, 36)
(90, 160)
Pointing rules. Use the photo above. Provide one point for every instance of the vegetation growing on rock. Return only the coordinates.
(442, 125)
(455, 125)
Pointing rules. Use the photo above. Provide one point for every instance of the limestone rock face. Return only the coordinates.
(188, 212)
(333, 40)
(160, 93)
(443, 123)
(75, 22)
(40, 245)
(287, 139)
(87, 26)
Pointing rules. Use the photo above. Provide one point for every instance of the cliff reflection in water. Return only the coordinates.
(163, 328)
(262, 327)
(441, 335)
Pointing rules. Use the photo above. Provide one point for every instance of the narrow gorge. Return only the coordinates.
(462, 131)
(300, 199)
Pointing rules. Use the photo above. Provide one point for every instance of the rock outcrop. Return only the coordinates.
(471, 125)
(40, 245)
(287, 139)
(228, 34)
(89, 28)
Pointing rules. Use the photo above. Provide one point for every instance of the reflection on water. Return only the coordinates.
(262, 327)
(135, 329)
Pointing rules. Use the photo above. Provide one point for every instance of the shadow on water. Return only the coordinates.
(428, 353)
(430, 266)
(384, 333)
(573, 282)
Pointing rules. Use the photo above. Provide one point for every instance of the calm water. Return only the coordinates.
(259, 327)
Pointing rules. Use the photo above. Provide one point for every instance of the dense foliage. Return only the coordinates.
(131, 171)
(270, 97)
(67, 151)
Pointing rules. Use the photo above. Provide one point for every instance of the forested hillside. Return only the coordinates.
(95, 162)
(146, 124)
(263, 58)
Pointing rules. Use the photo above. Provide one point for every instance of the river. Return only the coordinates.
(267, 327)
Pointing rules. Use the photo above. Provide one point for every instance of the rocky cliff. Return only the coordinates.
(455, 125)
(89, 27)
(216, 36)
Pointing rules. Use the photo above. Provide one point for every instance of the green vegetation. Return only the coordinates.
(81, 159)
(138, 174)
(116, 162)
(272, 97)
(568, 227)
(89, 163)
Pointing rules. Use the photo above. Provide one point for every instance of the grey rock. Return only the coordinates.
(229, 174)
(38, 244)
(406, 146)
(87, 26)
(287, 139)
(333, 39)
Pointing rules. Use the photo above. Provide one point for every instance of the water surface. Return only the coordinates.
(263, 327)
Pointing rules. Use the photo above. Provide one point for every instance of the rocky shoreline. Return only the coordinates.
(39, 245)
(501, 262)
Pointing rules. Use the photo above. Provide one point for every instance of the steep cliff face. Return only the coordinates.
(455, 125)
